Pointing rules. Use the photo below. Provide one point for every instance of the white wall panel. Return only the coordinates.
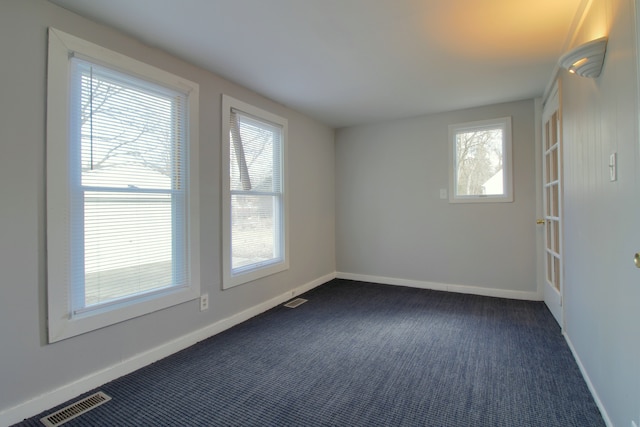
(602, 286)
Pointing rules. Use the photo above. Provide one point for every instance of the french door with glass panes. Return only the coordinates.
(552, 202)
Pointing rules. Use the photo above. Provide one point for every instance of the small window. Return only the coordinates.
(480, 162)
(255, 203)
(120, 191)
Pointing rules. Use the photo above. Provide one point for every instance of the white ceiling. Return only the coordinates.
(347, 62)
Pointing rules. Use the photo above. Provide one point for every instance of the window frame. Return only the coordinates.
(505, 124)
(229, 278)
(62, 323)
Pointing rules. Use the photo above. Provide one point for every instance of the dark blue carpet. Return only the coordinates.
(361, 354)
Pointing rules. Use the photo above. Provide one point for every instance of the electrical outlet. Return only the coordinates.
(204, 302)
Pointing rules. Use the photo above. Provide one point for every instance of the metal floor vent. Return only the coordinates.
(74, 410)
(296, 302)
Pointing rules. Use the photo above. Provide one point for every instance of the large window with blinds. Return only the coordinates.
(120, 193)
(255, 203)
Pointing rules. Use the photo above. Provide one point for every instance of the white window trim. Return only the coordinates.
(229, 279)
(505, 124)
(60, 323)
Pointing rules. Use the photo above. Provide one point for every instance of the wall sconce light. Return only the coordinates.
(586, 60)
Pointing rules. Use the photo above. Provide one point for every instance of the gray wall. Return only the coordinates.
(392, 223)
(602, 286)
(29, 367)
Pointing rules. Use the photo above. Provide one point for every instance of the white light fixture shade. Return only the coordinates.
(586, 60)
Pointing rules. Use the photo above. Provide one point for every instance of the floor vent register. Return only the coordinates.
(75, 409)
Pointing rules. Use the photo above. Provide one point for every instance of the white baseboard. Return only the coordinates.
(462, 289)
(587, 379)
(69, 391)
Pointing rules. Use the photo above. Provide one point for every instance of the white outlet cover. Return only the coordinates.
(204, 302)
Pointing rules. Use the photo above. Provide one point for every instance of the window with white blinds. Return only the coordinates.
(255, 203)
(128, 185)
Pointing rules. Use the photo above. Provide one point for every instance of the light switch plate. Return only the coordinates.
(443, 193)
(613, 167)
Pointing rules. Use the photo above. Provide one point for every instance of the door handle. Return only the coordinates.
(542, 221)
(636, 259)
